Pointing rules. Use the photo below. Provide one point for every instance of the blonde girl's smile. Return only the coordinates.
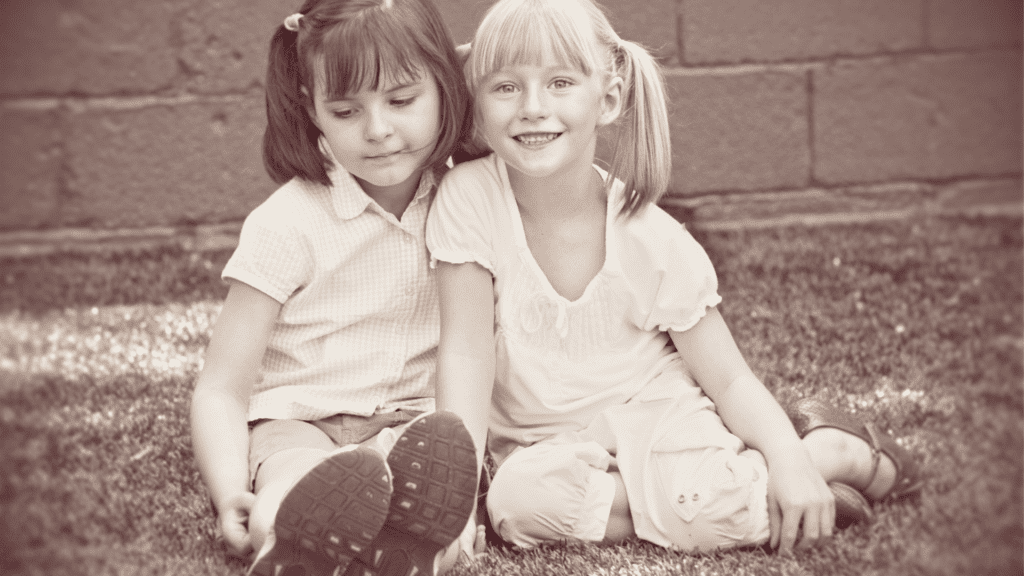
(533, 139)
(550, 107)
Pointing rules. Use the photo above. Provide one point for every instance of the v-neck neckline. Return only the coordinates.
(519, 232)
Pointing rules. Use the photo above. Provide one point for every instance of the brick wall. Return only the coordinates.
(117, 115)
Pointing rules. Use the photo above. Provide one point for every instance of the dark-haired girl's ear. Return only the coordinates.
(310, 107)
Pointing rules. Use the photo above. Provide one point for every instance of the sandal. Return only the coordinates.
(813, 413)
(851, 506)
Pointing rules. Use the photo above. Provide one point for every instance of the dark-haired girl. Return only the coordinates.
(312, 419)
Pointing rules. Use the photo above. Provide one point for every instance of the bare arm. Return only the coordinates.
(797, 493)
(745, 405)
(220, 405)
(465, 366)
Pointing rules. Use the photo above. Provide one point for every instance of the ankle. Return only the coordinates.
(840, 456)
(847, 458)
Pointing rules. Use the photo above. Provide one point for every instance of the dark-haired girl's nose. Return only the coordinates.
(378, 126)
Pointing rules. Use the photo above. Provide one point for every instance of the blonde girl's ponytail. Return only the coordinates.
(643, 155)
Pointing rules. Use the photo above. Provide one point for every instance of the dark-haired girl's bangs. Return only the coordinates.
(367, 53)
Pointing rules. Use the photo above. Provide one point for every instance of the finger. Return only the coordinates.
(237, 538)
(812, 528)
(480, 545)
(828, 519)
(790, 527)
(245, 503)
(774, 522)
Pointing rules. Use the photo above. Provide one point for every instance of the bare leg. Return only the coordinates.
(277, 474)
(843, 457)
(620, 520)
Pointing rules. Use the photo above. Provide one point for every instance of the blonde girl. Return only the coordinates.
(579, 329)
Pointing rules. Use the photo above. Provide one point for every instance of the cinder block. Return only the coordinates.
(738, 130)
(651, 23)
(224, 42)
(88, 46)
(30, 160)
(166, 165)
(463, 16)
(927, 117)
(978, 23)
(724, 31)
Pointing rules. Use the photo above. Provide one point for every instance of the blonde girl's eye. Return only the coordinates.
(505, 88)
(561, 83)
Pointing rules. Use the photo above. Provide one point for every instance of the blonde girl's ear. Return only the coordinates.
(611, 102)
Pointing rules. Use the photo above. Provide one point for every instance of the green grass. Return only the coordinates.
(916, 325)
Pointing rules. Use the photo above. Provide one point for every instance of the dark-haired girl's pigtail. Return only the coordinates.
(290, 144)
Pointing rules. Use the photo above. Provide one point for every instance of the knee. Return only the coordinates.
(515, 502)
(557, 499)
(718, 499)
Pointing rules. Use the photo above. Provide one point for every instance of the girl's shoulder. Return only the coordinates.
(294, 203)
(654, 231)
(482, 171)
(473, 183)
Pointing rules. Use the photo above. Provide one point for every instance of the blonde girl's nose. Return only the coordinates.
(533, 104)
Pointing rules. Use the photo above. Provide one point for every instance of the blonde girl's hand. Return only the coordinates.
(798, 499)
(233, 520)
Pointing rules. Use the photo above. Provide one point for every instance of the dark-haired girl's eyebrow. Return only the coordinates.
(411, 83)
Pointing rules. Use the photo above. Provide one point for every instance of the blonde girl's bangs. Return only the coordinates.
(525, 32)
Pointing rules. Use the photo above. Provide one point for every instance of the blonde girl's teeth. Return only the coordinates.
(536, 138)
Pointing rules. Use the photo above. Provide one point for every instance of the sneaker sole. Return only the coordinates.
(331, 515)
(435, 478)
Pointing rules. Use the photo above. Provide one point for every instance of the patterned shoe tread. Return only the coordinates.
(435, 477)
(331, 515)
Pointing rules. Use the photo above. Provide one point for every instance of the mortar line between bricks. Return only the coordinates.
(680, 31)
(720, 193)
(117, 102)
(213, 237)
(811, 151)
(746, 67)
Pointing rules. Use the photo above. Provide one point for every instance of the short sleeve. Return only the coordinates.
(272, 255)
(673, 281)
(461, 224)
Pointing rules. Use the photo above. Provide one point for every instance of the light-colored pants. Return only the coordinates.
(688, 485)
(268, 437)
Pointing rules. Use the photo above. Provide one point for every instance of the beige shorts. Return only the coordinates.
(268, 437)
(689, 486)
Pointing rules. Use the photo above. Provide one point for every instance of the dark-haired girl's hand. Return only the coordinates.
(233, 520)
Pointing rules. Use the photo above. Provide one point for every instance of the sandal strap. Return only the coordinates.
(812, 413)
(876, 454)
